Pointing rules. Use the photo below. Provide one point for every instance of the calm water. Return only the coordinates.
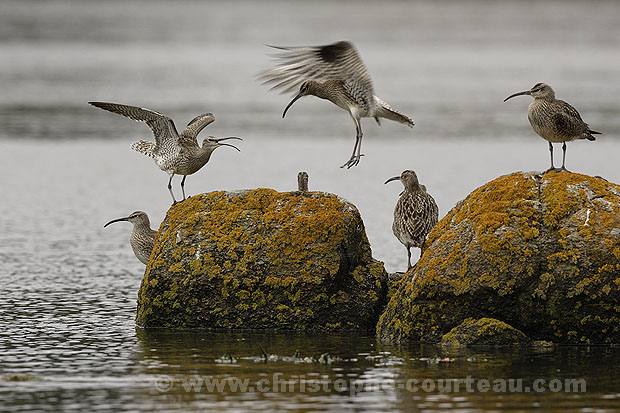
(68, 287)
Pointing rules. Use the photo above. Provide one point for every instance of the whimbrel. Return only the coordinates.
(302, 181)
(334, 72)
(142, 237)
(554, 120)
(415, 214)
(174, 153)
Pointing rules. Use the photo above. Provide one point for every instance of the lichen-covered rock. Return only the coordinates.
(541, 253)
(484, 331)
(262, 259)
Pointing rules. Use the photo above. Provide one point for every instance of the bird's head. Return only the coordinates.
(408, 178)
(138, 217)
(306, 88)
(538, 91)
(211, 143)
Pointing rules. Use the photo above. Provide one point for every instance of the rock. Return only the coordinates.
(540, 253)
(487, 331)
(262, 259)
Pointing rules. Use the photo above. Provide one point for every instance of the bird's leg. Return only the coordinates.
(183, 186)
(409, 258)
(563, 168)
(355, 156)
(551, 151)
(174, 201)
(359, 147)
(351, 161)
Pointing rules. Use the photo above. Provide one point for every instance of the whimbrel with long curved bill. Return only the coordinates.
(142, 237)
(174, 153)
(554, 120)
(334, 72)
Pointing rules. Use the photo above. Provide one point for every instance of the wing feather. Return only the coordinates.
(195, 126)
(162, 126)
(337, 61)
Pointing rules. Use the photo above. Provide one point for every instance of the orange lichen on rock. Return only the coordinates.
(262, 259)
(541, 253)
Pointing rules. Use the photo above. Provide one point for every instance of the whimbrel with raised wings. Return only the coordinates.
(554, 120)
(334, 72)
(174, 153)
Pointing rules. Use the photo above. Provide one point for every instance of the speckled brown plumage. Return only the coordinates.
(554, 120)
(415, 214)
(174, 153)
(142, 237)
(334, 72)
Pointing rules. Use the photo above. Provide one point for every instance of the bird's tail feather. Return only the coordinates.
(145, 147)
(382, 109)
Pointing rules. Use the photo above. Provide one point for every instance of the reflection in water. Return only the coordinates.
(211, 368)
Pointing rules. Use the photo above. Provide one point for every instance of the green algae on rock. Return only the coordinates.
(540, 253)
(484, 331)
(262, 259)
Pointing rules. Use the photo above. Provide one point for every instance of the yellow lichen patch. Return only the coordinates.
(264, 259)
(484, 331)
(531, 249)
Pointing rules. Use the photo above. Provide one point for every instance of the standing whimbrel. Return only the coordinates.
(334, 72)
(415, 214)
(173, 153)
(142, 237)
(302, 181)
(554, 120)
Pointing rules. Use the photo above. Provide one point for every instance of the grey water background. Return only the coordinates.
(68, 287)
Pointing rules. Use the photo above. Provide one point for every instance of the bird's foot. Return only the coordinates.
(355, 159)
(556, 170)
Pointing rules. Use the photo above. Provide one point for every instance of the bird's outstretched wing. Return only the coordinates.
(162, 126)
(338, 61)
(190, 133)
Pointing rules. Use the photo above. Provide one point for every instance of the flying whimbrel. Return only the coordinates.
(142, 237)
(415, 214)
(554, 120)
(334, 72)
(174, 153)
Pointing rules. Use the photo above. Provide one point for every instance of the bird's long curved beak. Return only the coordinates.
(227, 144)
(396, 178)
(290, 104)
(116, 220)
(527, 92)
